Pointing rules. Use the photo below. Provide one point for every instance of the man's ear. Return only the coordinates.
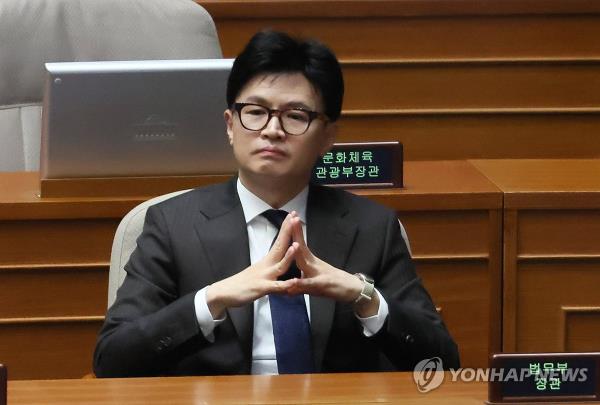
(330, 136)
(228, 116)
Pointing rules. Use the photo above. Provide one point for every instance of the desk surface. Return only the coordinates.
(547, 183)
(290, 389)
(429, 185)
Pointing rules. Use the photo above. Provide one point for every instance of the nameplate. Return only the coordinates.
(541, 378)
(369, 164)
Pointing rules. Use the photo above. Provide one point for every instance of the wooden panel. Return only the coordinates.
(19, 196)
(124, 186)
(427, 72)
(509, 281)
(447, 234)
(560, 233)
(381, 37)
(53, 291)
(457, 253)
(479, 136)
(551, 252)
(461, 288)
(395, 8)
(414, 85)
(581, 329)
(41, 349)
(544, 287)
(56, 241)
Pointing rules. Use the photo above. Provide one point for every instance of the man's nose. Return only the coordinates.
(273, 128)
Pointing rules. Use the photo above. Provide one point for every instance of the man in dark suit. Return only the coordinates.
(268, 274)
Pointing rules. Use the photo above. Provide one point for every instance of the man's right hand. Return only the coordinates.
(256, 280)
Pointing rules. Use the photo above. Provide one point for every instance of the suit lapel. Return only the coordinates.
(222, 231)
(330, 237)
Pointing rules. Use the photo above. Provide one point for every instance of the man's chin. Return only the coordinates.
(275, 173)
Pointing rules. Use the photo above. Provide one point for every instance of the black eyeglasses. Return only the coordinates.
(294, 121)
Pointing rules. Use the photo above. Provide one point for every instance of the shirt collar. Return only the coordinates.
(253, 206)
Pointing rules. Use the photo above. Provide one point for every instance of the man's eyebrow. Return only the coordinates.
(291, 104)
(256, 99)
(298, 104)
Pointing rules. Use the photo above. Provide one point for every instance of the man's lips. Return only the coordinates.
(271, 150)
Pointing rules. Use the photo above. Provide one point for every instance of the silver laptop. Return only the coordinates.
(135, 118)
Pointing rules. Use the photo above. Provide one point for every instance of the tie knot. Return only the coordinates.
(275, 217)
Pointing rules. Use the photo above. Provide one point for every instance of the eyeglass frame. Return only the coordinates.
(312, 115)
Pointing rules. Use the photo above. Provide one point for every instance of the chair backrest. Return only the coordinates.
(405, 237)
(33, 32)
(124, 242)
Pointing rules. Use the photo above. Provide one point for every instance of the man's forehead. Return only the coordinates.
(301, 90)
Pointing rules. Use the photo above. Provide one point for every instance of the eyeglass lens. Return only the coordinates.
(293, 121)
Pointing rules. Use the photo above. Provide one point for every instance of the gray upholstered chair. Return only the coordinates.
(124, 242)
(33, 32)
(126, 236)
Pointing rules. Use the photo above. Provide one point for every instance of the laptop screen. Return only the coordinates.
(135, 118)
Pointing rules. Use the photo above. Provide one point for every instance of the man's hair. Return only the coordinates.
(276, 52)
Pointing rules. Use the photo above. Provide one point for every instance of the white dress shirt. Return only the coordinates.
(260, 235)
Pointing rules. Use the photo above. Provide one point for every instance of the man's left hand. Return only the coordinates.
(322, 279)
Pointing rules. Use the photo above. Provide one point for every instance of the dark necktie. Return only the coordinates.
(291, 328)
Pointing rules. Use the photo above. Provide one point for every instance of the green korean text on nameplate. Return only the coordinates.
(369, 164)
(544, 377)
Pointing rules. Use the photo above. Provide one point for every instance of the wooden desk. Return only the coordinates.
(453, 216)
(345, 389)
(551, 253)
(55, 255)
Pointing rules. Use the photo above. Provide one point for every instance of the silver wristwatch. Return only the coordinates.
(368, 288)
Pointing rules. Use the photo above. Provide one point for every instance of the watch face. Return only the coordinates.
(368, 287)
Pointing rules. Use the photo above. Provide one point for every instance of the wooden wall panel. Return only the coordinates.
(53, 291)
(509, 280)
(417, 85)
(457, 253)
(581, 329)
(440, 136)
(461, 289)
(544, 287)
(558, 256)
(451, 80)
(560, 233)
(48, 348)
(421, 37)
(447, 234)
(56, 241)
(551, 254)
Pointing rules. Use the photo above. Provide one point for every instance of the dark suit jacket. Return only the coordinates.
(200, 237)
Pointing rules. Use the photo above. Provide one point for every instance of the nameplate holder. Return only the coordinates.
(101, 187)
(360, 165)
(544, 378)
